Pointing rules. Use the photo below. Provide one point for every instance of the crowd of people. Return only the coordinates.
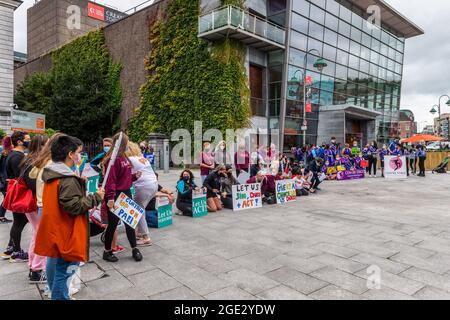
(64, 215)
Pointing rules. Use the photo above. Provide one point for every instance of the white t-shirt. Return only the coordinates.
(148, 179)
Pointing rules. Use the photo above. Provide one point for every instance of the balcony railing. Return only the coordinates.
(231, 17)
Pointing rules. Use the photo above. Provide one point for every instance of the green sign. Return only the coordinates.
(355, 151)
(165, 216)
(92, 184)
(199, 208)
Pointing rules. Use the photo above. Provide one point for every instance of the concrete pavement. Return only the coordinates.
(366, 239)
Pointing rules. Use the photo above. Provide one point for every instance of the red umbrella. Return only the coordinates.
(421, 137)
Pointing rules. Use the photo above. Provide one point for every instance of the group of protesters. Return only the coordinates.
(64, 213)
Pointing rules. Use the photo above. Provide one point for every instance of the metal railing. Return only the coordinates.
(235, 17)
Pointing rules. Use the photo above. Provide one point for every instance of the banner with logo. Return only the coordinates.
(285, 191)
(350, 174)
(128, 211)
(395, 167)
(165, 213)
(199, 208)
(247, 196)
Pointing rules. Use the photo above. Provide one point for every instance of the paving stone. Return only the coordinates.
(339, 263)
(332, 292)
(431, 293)
(395, 282)
(115, 282)
(336, 250)
(257, 263)
(299, 281)
(341, 279)
(384, 264)
(231, 293)
(180, 293)
(200, 281)
(249, 281)
(32, 294)
(376, 248)
(298, 263)
(214, 264)
(420, 263)
(153, 282)
(282, 293)
(386, 294)
(428, 277)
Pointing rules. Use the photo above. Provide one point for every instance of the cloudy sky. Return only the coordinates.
(426, 68)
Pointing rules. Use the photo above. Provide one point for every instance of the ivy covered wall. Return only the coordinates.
(81, 95)
(190, 79)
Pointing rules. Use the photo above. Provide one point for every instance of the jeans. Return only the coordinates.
(63, 273)
(50, 270)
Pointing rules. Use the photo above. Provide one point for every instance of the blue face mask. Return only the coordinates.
(106, 149)
(26, 144)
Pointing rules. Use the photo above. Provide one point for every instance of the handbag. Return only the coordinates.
(19, 198)
(364, 164)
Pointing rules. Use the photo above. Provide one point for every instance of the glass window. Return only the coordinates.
(345, 14)
(375, 45)
(391, 53)
(344, 28)
(382, 73)
(392, 41)
(356, 35)
(398, 68)
(353, 75)
(353, 62)
(330, 37)
(366, 40)
(373, 70)
(391, 65)
(330, 69)
(296, 57)
(365, 53)
(343, 43)
(357, 21)
(320, 3)
(329, 52)
(374, 57)
(299, 23)
(400, 46)
(384, 37)
(276, 57)
(298, 40)
(331, 21)
(355, 48)
(342, 57)
(276, 73)
(384, 49)
(398, 57)
(341, 72)
(333, 7)
(364, 66)
(376, 32)
(301, 6)
(314, 44)
(316, 31)
(317, 14)
(383, 61)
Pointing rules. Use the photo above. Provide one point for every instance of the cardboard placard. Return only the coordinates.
(350, 174)
(285, 191)
(247, 196)
(395, 167)
(199, 208)
(128, 210)
(165, 212)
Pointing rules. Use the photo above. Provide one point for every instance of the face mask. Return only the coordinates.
(333, 141)
(106, 149)
(186, 179)
(77, 159)
(26, 144)
(207, 148)
(222, 147)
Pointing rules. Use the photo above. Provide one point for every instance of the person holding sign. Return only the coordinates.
(119, 180)
(185, 186)
(63, 232)
(226, 188)
(212, 185)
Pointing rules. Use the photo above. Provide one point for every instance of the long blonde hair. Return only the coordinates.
(134, 150)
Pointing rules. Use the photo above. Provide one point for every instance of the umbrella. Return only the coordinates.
(421, 137)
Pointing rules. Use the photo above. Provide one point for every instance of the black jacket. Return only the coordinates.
(212, 181)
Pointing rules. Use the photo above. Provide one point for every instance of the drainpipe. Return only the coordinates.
(282, 121)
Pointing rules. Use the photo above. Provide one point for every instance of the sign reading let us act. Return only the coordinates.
(247, 196)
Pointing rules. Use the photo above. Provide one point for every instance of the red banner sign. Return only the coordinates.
(96, 11)
(308, 107)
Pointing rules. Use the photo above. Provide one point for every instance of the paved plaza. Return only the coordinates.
(324, 246)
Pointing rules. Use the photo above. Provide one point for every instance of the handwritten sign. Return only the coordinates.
(128, 211)
(165, 213)
(93, 184)
(199, 208)
(247, 196)
(286, 191)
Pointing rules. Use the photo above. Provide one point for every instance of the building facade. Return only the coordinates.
(407, 124)
(7, 8)
(355, 97)
(442, 125)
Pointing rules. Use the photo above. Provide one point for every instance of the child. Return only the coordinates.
(63, 229)
(119, 181)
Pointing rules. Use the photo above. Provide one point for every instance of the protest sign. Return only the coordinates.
(88, 171)
(127, 210)
(395, 167)
(199, 208)
(285, 191)
(247, 196)
(350, 174)
(93, 184)
(243, 177)
(165, 215)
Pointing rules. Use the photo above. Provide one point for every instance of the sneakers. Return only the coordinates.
(109, 256)
(18, 257)
(137, 256)
(37, 277)
(6, 255)
(118, 249)
(5, 221)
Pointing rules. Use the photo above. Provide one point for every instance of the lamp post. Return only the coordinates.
(320, 64)
(433, 112)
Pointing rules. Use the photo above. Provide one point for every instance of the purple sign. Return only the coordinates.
(350, 175)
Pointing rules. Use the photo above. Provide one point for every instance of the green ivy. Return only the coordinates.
(81, 95)
(190, 80)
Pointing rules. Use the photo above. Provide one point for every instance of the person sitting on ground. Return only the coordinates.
(315, 167)
(329, 169)
(151, 210)
(226, 188)
(302, 184)
(268, 184)
(185, 186)
(212, 185)
(256, 167)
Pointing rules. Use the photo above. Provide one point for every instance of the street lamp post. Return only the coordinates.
(320, 64)
(433, 112)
